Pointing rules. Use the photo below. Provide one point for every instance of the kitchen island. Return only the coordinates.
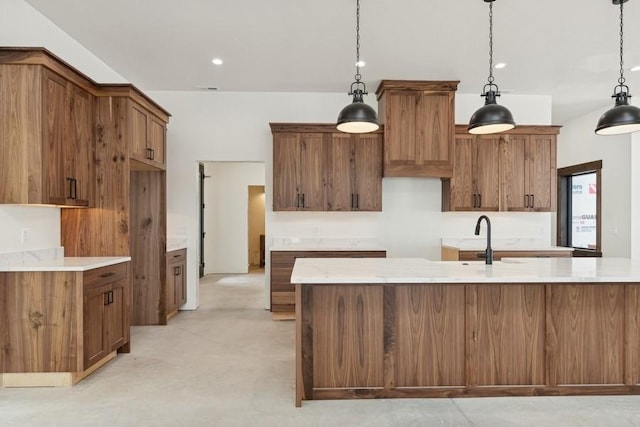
(397, 327)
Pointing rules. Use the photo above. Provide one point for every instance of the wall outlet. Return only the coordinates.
(25, 235)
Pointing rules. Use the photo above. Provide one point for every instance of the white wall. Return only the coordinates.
(227, 213)
(577, 144)
(42, 225)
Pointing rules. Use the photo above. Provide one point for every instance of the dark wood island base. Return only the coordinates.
(454, 340)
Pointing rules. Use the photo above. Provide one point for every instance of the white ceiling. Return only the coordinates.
(568, 49)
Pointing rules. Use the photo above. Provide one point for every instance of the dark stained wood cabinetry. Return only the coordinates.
(510, 171)
(63, 322)
(47, 137)
(148, 137)
(176, 281)
(418, 118)
(106, 312)
(282, 290)
(317, 168)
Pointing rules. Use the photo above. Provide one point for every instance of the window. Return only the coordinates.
(579, 221)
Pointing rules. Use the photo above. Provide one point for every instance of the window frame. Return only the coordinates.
(563, 229)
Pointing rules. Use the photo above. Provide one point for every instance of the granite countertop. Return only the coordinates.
(64, 264)
(509, 270)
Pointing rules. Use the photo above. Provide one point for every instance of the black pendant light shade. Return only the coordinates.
(622, 118)
(357, 117)
(491, 118)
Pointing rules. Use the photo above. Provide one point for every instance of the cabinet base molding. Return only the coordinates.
(171, 314)
(51, 379)
(283, 316)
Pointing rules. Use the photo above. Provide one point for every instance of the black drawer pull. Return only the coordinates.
(109, 274)
(177, 271)
(176, 256)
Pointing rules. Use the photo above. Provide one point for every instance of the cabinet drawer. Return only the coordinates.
(103, 275)
(176, 256)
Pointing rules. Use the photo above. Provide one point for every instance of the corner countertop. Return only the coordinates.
(176, 243)
(509, 270)
(65, 264)
(325, 244)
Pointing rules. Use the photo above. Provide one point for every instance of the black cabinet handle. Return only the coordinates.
(149, 154)
(70, 181)
(177, 271)
(353, 205)
(110, 297)
(533, 201)
(108, 274)
(298, 200)
(106, 298)
(153, 154)
(526, 200)
(479, 200)
(303, 200)
(176, 256)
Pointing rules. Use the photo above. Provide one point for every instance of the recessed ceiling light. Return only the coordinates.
(636, 68)
(217, 61)
(360, 63)
(500, 65)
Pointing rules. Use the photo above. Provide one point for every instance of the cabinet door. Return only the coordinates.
(399, 130)
(433, 130)
(94, 302)
(54, 118)
(541, 172)
(172, 284)
(139, 132)
(463, 195)
(486, 172)
(157, 140)
(286, 165)
(311, 178)
(513, 172)
(340, 172)
(368, 172)
(79, 146)
(181, 286)
(116, 319)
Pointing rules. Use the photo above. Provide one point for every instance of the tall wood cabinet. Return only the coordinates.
(46, 137)
(418, 118)
(510, 171)
(317, 168)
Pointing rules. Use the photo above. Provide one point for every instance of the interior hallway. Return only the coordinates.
(229, 364)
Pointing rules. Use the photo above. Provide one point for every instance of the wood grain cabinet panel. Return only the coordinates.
(529, 173)
(47, 138)
(147, 138)
(316, 168)
(430, 350)
(176, 281)
(348, 349)
(418, 118)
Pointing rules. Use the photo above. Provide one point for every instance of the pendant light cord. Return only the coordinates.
(621, 80)
(358, 76)
(490, 43)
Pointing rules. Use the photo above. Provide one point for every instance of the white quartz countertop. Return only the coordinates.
(419, 270)
(482, 246)
(173, 244)
(325, 244)
(65, 264)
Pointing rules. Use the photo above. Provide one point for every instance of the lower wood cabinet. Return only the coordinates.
(105, 312)
(176, 281)
(283, 292)
(62, 322)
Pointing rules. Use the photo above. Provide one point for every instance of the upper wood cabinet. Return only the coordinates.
(529, 173)
(475, 183)
(354, 181)
(46, 138)
(317, 168)
(148, 137)
(510, 171)
(418, 118)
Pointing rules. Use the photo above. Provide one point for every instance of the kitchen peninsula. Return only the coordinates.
(399, 327)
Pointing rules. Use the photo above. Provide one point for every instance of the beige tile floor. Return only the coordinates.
(229, 364)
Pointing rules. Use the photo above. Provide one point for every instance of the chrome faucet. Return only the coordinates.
(488, 253)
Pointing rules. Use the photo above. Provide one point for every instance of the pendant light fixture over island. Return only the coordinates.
(622, 118)
(357, 117)
(491, 118)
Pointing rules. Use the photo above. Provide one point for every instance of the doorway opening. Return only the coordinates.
(256, 227)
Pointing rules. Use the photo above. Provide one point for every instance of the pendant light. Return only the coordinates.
(491, 118)
(622, 118)
(357, 117)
